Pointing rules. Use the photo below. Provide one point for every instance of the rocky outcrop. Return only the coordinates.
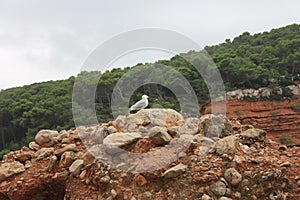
(274, 117)
(264, 93)
(239, 164)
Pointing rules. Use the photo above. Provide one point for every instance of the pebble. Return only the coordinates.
(285, 164)
(113, 193)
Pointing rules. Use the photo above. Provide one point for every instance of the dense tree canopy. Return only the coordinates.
(248, 61)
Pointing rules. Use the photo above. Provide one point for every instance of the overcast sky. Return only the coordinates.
(44, 40)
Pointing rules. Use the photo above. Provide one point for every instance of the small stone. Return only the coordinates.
(66, 159)
(23, 156)
(120, 121)
(113, 193)
(65, 140)
(114, 141)
(246, 149)
(253, 135)
(43, 153)
(225, 198)
(159, 135)
(211, 125)
(228, 192)
(226, 145)
(27, 164)
(34, 146)
(233, 176)
(145, 195)
(218, 188)
(175, 171)
(181, 154)
(190, 126)
(140, 180)
(83, 174)
(69, 147)
(133, 198)
(76, 167)
(127, 194)
(285, 164)
(51, 163)
(101, 133)
(112, 129)
(206, 197)
(105, 179)
(237, 159)
(63, 135)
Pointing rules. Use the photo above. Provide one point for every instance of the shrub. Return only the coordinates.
(296, 107)
(273, 114)
(208, 111)
(286, 92)
(238, 111)
(285, 139)
(3, 152)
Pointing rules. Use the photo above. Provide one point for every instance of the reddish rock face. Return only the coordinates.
(275, 117)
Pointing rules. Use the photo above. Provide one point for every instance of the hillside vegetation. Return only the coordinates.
(265, 59)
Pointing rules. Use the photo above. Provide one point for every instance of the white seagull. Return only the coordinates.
(141, 104)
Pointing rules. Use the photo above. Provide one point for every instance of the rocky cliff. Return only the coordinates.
(153, 154)
(277, 117)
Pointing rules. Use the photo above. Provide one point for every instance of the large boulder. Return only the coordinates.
(218, 126)
(9, 169)
(45, 136)
(114, 141)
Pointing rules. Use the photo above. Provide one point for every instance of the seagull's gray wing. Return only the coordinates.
(139, 105)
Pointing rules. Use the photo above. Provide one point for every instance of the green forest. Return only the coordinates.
(267, 59)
